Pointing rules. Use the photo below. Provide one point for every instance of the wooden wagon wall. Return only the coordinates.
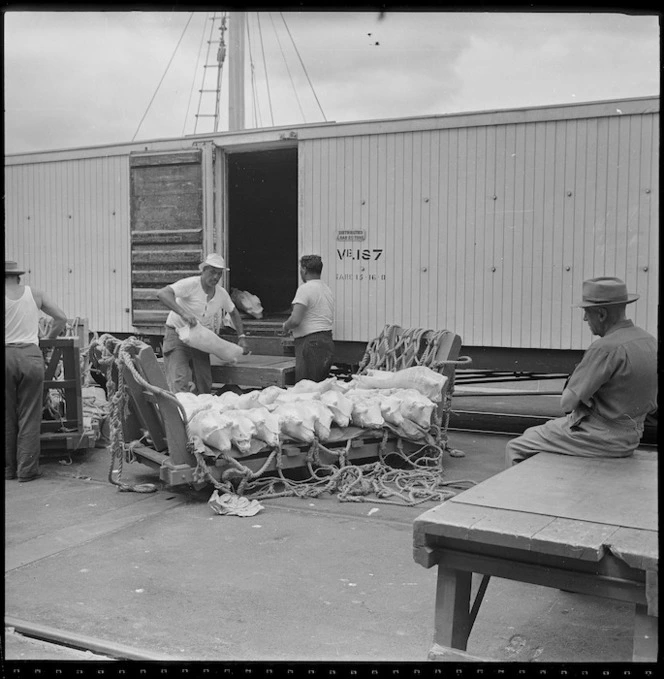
(166, 228)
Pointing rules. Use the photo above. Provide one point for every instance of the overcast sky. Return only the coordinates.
(77, 79)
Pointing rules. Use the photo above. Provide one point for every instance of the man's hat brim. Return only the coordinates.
(630, 298)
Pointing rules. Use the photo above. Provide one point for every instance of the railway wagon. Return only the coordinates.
(485, 223)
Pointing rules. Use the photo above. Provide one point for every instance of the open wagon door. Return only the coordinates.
(167, 220)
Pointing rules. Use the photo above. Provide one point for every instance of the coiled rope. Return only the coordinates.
(107, 352)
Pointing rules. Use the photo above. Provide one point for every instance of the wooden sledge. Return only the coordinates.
(156, 411)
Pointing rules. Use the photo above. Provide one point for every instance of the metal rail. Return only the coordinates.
(82, 642)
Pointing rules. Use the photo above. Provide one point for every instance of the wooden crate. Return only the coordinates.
(66, 432)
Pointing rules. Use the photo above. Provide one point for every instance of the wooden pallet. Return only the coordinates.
(159, 415)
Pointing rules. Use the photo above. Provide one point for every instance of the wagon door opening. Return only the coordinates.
(262, 227)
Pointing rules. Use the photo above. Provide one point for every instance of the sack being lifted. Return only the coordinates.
(247, 302)
(202, 338)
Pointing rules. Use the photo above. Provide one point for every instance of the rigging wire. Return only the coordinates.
(193, 80)
(303, 66)
(163, 76)
(267, 81)
(256, 109)
(287, 69)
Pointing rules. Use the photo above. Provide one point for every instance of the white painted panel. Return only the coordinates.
(64, 231)
(565, 194)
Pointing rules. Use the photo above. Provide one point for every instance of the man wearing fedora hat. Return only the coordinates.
(196, 299)
(612, 390)
(24, 372)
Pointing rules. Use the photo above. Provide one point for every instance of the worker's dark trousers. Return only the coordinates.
(314, 354)
(24, 398)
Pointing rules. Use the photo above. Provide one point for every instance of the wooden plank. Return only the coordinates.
(171, 417)
(144, 294)
(257, 361)
(618, 491)
(450, 520)
(185, 258)
(145, 411)
(637, 548)
(160, 278)
(151, 159)
(505, 528)
(559, 573)
(258, 371)
(170, 236)
(582, 540)
(142, 317)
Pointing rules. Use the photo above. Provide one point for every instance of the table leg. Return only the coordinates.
(452, 618)
(645, 635)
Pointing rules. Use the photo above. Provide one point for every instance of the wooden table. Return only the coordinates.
(585, 525)
(255, 371)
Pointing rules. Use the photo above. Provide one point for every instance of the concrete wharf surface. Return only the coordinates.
(310, 580)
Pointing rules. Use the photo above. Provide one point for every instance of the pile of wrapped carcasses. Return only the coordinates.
(245, 423)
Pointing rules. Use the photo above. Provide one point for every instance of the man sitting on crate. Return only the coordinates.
(311, 322)
(611, 391)
(24, 372)
(196, 299)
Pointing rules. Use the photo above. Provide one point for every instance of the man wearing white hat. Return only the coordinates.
(611, 391)
(196, 299)
(24, 372)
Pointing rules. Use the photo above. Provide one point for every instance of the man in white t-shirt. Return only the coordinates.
(192, 300)
(311, 321)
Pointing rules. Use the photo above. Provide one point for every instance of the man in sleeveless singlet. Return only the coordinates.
(24, 372)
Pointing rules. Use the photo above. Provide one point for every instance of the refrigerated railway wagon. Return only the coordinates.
(485, 223)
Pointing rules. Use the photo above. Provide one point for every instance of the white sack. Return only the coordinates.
(202, 338)
(295, 423)
(249, 400)
(226, 400)
(428, 382)
(390, 409)
(247, 302)
(269, 395)
(266, 423)
(322, 418)
(311, 387)
(243, 429)
(340, 407)
(213, 428)
(416, 407)
(366, 409)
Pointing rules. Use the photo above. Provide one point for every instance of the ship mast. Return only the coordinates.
(236, 39)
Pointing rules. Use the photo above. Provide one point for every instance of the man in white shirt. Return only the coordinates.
(24, 372)
(196, 299)
(311, 321)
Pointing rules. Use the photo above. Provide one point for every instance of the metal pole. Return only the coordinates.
(236, 35)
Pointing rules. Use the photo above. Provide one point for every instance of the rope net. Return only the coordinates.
(395, 477)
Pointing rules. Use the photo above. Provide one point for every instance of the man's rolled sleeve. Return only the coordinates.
(595, 369)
